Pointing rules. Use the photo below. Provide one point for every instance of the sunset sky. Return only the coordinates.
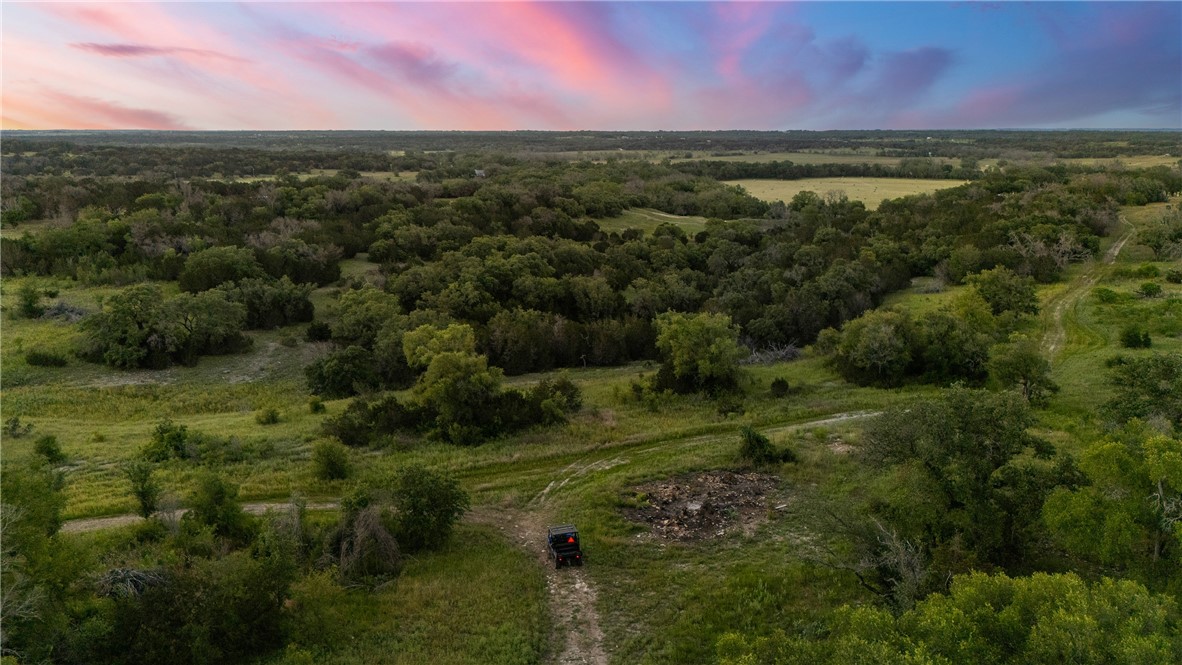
(591, 65)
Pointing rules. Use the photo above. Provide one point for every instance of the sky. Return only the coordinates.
(590, 65)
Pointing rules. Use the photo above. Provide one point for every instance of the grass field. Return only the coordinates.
(647, 220)
(870, 191)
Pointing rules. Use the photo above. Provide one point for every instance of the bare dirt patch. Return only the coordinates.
(705, 505)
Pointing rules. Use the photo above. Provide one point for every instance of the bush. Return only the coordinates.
(318, 331)
(316, 405)
(342, 373)
(13, 428)
(1150, 290)
(1174, 276)
(369, 553)
(1105, 295)
(208, 268)
(45, 359)
(214, 503)
(144, 488)
(168, 441)
(29, 299)
(757, 449)
(330, 460)
(269, 416)
(780, 387)
(48, 447)
(1135, 337)
(224, 610)
(1005, 291)
(427, 505)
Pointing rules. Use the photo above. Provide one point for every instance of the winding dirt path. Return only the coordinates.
(1069, 298)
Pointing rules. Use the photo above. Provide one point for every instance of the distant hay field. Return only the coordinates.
(1132, 161)
(870, 191)
(801, 158)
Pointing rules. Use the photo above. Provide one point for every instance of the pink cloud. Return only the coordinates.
(101, 114)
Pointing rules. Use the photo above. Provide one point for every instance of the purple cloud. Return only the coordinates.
(143, 50)
(414, 62)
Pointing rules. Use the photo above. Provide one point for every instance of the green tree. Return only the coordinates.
(700, 348)
(134, 330)
(36, 570)
(1006, 291)
(223, 610)
(1020, 364)
(426, 505)
(876, 349)
(342, 373)
(1130, 514)
(989, 620)
(212, 267)
(457, 386)
(1148, 387)
(955, 480)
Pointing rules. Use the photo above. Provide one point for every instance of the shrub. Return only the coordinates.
(780, 387)
(208, 268)
(168, 441)
(268, 416)
(1150, 290)
(144, 487)
(342, 373)
(1005, 291)
(48, 447)
(29, 299)
(330, 460)
(316, 405)
(369, 553)
(14, 429)
(427, 505)
(214, 503)
(1147, 271)
(1135, 337)
(757, 449)
(1105, 295)
(45, 359)
(224, 610)
(1174, 276)
(318, 331)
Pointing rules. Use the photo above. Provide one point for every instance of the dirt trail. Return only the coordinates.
(1069, 298)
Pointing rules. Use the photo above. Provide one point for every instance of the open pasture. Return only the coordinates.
(647, 219)
(870, 191)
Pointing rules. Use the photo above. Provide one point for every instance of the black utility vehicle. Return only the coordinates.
(564, 545)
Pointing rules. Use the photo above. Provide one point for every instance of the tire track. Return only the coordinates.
(1070, 297)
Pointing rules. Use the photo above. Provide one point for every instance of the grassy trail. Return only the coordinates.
(1063, 305)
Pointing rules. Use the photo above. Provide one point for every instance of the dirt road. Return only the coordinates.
(1068, 299)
